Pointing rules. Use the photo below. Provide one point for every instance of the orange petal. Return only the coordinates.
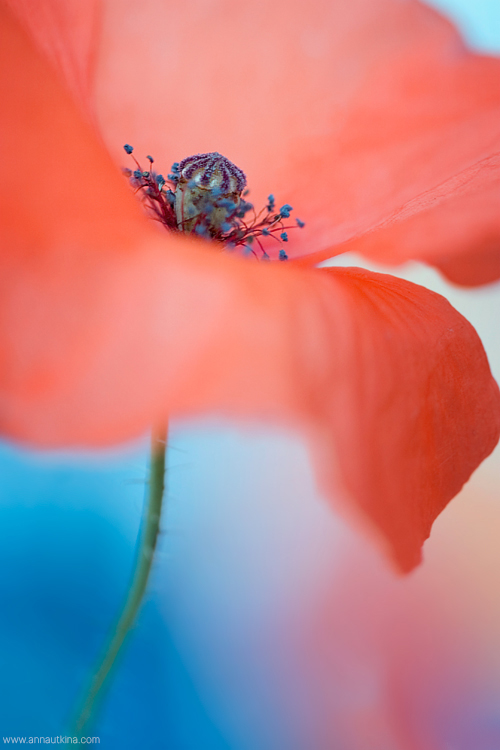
(67, 32)
(107, 324)
(459, 222)
(369, 117)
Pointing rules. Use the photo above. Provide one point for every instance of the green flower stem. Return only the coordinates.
(142, 569)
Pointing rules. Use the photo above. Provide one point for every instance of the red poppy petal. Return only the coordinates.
(107, 324)
(404, 423)
(369, 117)
(480, 265)
(460, 224)
(67, 31)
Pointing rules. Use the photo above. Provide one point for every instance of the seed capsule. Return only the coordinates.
(208, 193)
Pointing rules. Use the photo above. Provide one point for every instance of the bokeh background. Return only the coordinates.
(269, 624)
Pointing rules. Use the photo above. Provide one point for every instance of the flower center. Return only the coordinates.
(204, 195)
(208, 188)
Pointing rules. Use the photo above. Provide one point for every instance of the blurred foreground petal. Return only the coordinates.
(67, 32)
(108, 324)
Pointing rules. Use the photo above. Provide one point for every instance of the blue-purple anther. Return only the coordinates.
(202, 195)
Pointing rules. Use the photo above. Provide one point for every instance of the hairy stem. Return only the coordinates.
(142, 569)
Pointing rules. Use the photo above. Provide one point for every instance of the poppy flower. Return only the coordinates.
(373, 121)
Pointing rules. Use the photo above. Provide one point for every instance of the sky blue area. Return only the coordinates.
(67, 531)
(478, 20)
(64, 567)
